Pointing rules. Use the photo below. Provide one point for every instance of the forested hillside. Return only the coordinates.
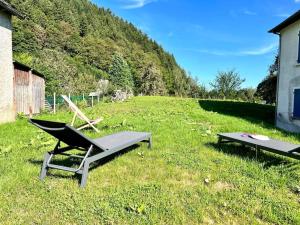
(75, 43)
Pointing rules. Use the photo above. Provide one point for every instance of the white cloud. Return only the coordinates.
(284, 15)
(261, 51)
(252, 52)
(134, 4)
(249, 13)
(170, 34)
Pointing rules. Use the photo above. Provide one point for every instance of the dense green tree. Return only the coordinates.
(247, 94)
(195, 89)
(227, 83)
(120, 74)
(152, 83)
(180, 83)
(266, 89)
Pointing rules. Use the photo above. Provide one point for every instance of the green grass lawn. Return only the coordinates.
(184, 179)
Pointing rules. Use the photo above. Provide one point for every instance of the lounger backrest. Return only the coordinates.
(65, 133)
(75, 109)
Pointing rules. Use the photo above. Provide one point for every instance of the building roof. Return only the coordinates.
(4, 6)
(292, 19)
(27, 68)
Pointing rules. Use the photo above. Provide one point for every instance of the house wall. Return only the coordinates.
(289, 78)
(7, 112)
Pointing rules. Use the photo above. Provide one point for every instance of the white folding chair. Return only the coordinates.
(78, 113)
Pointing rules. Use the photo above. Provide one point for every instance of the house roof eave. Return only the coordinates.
(28, 68)
(292, 19)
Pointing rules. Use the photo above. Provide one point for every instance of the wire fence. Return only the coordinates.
(59, 100)
(55, 102)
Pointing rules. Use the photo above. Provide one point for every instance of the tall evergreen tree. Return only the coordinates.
(180, 83)
(120, 74)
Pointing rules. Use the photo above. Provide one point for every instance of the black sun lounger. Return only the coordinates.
(275, 146)
(95, 149)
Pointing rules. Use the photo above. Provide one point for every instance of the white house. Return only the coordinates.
(288, 84)
(7, 111)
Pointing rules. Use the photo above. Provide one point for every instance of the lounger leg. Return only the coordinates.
(84, 174)
(44, 168)
(257, 149)
(150, 143)
(219, 141)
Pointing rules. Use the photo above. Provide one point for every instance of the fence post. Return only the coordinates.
(54, 102)
(69, 96)
(83, 97)
(92, 101)
(30, 93)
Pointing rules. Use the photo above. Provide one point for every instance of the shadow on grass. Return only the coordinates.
(73, 162)
(252, 112)
(264, 115)
(265, 158)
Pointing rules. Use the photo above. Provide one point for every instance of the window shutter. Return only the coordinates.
(296, 113)
(298, 48)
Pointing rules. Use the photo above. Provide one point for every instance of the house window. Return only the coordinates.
(296, 111)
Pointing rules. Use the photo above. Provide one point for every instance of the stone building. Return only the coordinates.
(7, 111)
(288, 86)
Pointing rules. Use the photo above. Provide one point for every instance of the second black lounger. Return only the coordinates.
(275, 146)
(95, 149)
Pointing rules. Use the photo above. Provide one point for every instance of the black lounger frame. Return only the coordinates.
(94, 151)
(223, 139)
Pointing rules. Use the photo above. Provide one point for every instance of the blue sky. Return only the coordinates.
(212, 35)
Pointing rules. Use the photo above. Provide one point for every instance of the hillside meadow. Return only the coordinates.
(185, 179)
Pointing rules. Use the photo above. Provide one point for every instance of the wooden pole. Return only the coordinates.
(54, 102)
(92, 101)
(31, 100)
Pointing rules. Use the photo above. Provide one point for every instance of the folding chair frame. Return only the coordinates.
(89, 123)
(78, 113)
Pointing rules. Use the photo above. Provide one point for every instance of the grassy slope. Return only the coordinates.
(160, 186)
